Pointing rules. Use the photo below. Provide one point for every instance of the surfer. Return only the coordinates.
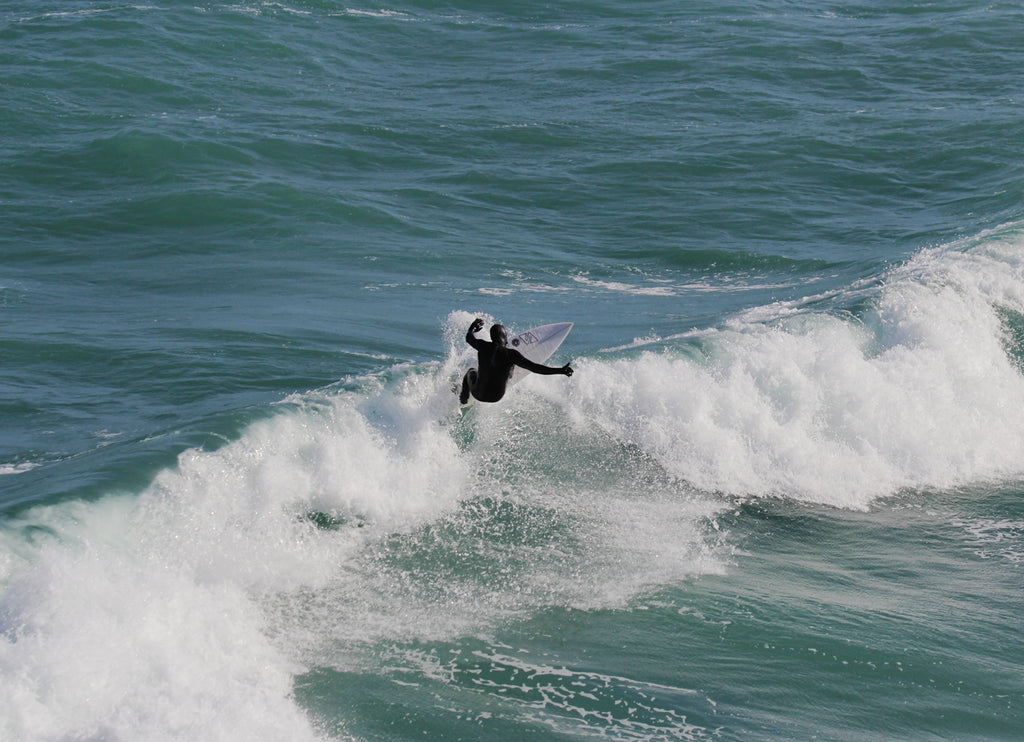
(495, 361)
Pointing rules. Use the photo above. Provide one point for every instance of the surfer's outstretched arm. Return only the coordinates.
(523, 362)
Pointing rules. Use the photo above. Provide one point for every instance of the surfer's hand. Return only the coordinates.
(478, 324)
(567, 370)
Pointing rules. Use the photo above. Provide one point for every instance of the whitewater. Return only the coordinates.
(779, 500)
(194, 604)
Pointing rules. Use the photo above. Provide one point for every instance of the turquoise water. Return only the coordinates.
(780, 499)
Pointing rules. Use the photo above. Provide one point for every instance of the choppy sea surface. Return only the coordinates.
(782, 497)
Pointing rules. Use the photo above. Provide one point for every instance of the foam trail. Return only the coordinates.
(20, 468)
(368, 514)
(919, 391)
(550, 516)
(147, 617)
(373, 513)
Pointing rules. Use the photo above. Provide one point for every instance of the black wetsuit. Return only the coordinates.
(495, 361)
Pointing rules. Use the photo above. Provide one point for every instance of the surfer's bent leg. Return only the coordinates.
(468, 382)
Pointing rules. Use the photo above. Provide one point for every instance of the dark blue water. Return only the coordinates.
(780, 499)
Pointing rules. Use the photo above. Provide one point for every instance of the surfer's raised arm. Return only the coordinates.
(476, 326)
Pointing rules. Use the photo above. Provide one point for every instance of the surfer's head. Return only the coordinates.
(498, 335)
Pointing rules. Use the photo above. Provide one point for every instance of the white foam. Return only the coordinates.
(187, 610)
(103, 639)
(150, 616)
(994, 539)
(649, 286)
(19, 468)
(390, 14)
(625, 288)
(920, 393)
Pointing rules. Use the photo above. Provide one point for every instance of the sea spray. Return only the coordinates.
(374, 512)
(915, 390)
(146, 616)
(106, 638)
(368, 513)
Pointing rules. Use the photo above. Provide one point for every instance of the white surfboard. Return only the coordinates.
(537, 344)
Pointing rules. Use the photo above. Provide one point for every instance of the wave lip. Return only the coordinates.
(918, 390)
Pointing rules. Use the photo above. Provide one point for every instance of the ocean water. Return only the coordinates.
(782, 497)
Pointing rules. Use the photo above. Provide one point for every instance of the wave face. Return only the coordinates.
(781, 498)
(913, 389)
(373, 512)
(351, 517)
